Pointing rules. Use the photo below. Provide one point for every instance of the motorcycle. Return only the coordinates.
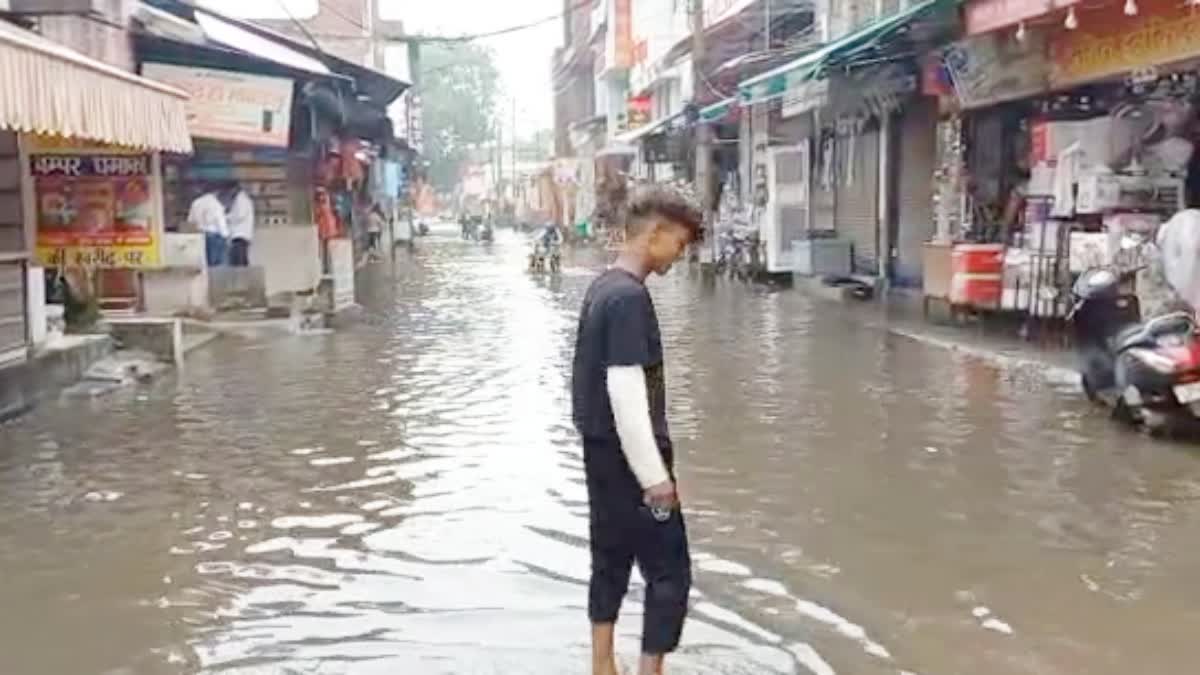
(485, 234)
(1148, 372)
(734, 255)
(544, 256)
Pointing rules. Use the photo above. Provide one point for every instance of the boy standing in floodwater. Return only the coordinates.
(619, 405)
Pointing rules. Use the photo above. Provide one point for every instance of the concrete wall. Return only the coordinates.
(22, 385)
(290, 257)
(183, 285)
(103, 38)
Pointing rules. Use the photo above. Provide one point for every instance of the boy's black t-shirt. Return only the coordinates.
(617, 327)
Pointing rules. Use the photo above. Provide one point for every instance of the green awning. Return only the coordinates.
(774, 83)
(717, 110)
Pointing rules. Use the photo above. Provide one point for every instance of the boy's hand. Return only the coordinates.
(662, 495)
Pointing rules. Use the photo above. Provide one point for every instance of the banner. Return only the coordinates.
(95, 210)
(1108, 43)
(229, 106)
(989, 69)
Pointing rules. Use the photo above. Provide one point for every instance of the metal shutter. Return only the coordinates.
(915, 158)
(12, 219)
(13, 331)
(857, 200)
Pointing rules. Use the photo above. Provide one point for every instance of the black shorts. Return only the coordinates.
(623, 530)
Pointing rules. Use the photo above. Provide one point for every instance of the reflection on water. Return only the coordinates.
(406, 496)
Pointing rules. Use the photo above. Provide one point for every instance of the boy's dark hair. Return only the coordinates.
(667, 204)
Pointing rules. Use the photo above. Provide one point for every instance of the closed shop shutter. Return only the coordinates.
(12, 223)
(13, 247)
(917, 150)
(12, 310)
(857, 201)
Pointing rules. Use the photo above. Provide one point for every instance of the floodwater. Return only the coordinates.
(406, 496)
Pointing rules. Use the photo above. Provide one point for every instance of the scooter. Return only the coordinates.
(1148, 373)
(485, 234)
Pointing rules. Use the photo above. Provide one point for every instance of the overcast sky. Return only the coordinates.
(523, 57)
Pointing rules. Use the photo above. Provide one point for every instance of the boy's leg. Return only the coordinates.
(666, 565)
(612, 563)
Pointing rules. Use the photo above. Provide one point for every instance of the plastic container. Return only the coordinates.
(978, 258)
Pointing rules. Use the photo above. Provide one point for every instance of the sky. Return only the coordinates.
(523, 57)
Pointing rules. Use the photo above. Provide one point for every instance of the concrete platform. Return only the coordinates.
(49, 371)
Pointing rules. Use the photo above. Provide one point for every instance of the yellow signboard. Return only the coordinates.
(93, 206)
(1108, 43)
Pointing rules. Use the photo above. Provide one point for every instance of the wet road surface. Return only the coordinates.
(406, 497)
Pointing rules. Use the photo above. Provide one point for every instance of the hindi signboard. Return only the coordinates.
(229, 106)
(95, 208)
(1107, 44)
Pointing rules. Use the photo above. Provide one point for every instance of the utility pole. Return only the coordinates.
(704, 166)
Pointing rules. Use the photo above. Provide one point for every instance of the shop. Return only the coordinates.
(243, 124)
(1073, 142)
(83, 194)
(849, 113)
(296, 129)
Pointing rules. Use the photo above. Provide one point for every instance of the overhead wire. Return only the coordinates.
(469, 37)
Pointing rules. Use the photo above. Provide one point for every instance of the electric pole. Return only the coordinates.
(704, 166)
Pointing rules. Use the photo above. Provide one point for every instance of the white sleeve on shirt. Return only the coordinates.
(241, 217)
(631, 412)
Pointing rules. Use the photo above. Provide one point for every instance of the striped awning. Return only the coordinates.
(50, 89)
(777, 81)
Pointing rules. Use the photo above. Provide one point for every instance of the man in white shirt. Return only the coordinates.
(207, 215)
(241, 226)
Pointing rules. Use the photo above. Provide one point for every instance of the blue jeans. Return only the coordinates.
(214, 249)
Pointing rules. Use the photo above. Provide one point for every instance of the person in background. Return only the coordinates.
(241, 225)
(618, 397)
(207, 215)
(375, 224)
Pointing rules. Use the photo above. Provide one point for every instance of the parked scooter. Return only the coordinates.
(485, 233)
(1147, 372)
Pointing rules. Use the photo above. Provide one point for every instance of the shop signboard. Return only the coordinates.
(1109, 43)
(989, 69)
(638, 111)
(619, 40)
(872, 92)
(94, 205)
(983, 16)
(229, 106)
(805, 95)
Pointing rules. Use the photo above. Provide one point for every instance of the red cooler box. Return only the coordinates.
(977, 290)
(978, 258)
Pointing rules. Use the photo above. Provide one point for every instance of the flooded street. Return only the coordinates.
(406, 496)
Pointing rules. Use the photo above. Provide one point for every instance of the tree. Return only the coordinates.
(459, 84)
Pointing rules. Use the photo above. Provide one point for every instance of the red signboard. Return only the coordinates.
(622, 30)
(983, 16)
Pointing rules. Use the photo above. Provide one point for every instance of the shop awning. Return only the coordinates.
(631, 137)
(51, 89)
(717, 110)
(773, 83)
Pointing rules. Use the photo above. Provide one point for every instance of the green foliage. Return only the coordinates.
(459, 84)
